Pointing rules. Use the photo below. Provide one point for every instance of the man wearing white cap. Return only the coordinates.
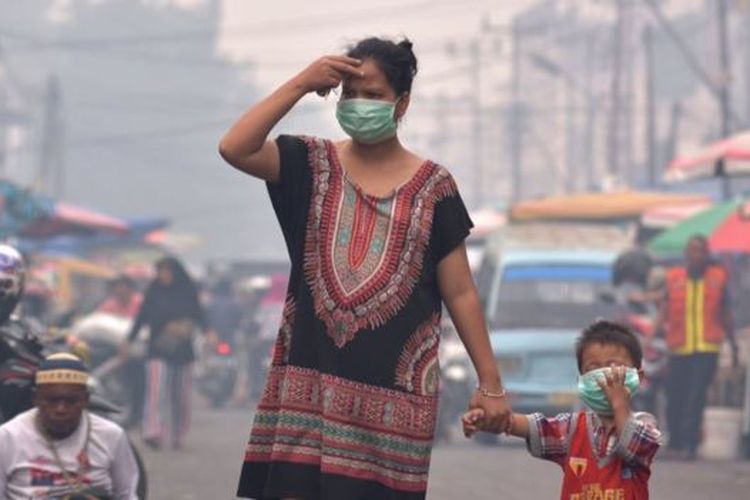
(58, 450)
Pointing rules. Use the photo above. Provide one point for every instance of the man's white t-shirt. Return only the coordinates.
(28, 469)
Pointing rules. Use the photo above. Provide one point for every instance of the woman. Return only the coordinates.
(375, 236)
(172, 313)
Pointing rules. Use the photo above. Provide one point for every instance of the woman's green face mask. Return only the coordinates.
(368, 121)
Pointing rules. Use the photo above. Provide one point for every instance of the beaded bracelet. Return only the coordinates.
(493, 395)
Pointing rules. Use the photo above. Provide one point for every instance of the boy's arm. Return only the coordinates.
(473, 422)
(639, 440)
(638, 437)
(519, 426)
(547, 438)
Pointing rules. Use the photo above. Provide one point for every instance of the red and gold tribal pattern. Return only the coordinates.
(364, 255)
(418, 370)
(284, 338)
(345, 427)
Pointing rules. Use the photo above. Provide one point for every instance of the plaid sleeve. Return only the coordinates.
(548, 437)
(639, 441)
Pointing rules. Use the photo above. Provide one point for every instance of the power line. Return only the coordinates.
(293, 26)
(157, 134)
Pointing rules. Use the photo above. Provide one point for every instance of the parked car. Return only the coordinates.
(537, 303)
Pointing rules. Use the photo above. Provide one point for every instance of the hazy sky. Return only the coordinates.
(287, 34)
(281, 37)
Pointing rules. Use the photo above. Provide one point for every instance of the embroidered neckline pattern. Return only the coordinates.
(364, 255)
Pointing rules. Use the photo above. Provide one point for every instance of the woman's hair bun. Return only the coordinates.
(406, 43)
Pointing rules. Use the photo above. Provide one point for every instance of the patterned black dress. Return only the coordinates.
(350, 404)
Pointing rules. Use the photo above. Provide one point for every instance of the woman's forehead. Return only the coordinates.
(373, 77)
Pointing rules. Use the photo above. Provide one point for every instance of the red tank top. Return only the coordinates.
(585, 479)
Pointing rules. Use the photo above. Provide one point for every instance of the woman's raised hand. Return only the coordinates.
(327, 73)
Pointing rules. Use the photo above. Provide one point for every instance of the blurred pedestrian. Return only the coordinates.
(375, 235)
(60, 450)
(172, 312)
(696, 317)
(123, 299)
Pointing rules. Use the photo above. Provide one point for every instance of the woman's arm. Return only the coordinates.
(246, 147)
(144, 312)
(462, 300)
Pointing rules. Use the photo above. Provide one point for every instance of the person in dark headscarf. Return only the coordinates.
(172, 312)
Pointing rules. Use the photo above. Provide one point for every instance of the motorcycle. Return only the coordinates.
(21, 352)
(216, 372)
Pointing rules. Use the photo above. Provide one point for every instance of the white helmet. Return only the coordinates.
(12, 280)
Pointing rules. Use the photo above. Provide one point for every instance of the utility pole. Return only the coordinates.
(476, 113)
(673, 136)
(572, 147)
(571, 172)
(440, 138)
(651, 158)
(516, 118)
(4, 119)
(746, 53)
(613, 149)
(50, 173)
(725, 97)
(591, 103)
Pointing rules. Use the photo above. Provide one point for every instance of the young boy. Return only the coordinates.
(605, 452)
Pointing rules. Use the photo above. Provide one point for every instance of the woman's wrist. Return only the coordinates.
(298, 87)
(491, 394)
(490, 382)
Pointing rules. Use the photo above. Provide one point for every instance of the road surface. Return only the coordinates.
(209, 466)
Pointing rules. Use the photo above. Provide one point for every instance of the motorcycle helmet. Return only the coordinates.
(12, 280)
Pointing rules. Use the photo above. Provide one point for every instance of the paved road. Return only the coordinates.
(209, 467)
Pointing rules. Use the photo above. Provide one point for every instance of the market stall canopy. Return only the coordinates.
(668, 216)
(78, 244)
(60, 218)
(727, 227)
(18, 208)
(598, 207)
(705, 162)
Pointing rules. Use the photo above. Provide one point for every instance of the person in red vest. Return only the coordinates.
(696, 318)
(607, 451)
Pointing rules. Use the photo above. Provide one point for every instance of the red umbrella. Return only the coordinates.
(733, 235)
(726, 225)
(734, 151)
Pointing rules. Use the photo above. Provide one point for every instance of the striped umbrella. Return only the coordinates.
(733, 151)
(726, 225)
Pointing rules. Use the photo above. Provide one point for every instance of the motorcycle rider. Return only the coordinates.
(59, 449)
(14, 398)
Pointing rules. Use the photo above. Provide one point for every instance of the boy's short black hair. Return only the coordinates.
(610, 333)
